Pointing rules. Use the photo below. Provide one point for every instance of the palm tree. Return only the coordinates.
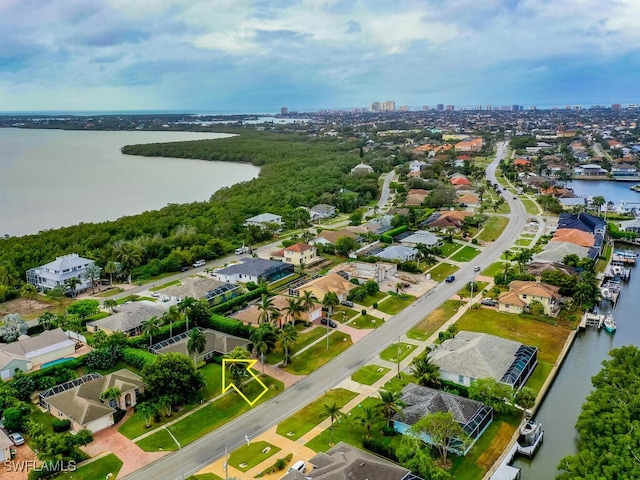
(288, 338)
(165, 405)
(92, 273)
(110, 268)
(237, 370)
(309, 301)
(399, 287)
(391, 404)
(184, 306)
(110, 304)
(111, 393)
(46, 319)
(151, 328)
(266, 308)
(330, 300)
(196, 344)
(293, 308)
(129, 255)
(72, 284)
(332, 411)
(524, 257)
(598, 201)
(368, 417)
(170, 316)
(264, 340)
(427, 372)
(147, 411)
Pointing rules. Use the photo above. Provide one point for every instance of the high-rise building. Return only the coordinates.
(404, 108)
(440, 107)
(425, 108)
(389, 106)
(376, 106)
(450, 108)
(488, 108)
(284, 111)
(616, 107)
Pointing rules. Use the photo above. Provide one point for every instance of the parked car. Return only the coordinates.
(328, 321)
(17, 439)
(155, 294)
(185, 268)
(450, 278)
(476, 268)
(347, 303)
(199, 263)
(489, 302)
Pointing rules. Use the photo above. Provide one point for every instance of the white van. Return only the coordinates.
(198, 263)
(298, 466)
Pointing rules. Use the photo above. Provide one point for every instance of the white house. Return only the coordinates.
(263, 220)
(53, 274)
(417, 166)
(47, 347)
(362, 168)
(322, 210)
(5, 447)
(420, 237)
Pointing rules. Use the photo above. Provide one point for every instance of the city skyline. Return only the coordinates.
(257, 56)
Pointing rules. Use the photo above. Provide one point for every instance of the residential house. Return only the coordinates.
(459, 180)
(329, 283)
(468, 199)
(330, 237)
(417, 166)
(521, 293)
(446, 219)
(10, 363)
(474, 417)
(630, 225)
(345, 462)
(322, 210)
(416, 197)
(5, 447)
(362, 169)
(574, 235)
(56, 273)
(572, 202)
(421, 237)
(128, 318)
(300, 254)
(471, 355)
(590, 170)
(199, 287)
(79, 400)
(252, 313)
(556, 251)
(522, 163)
(398, 253)
(252, 270)
(264, 220)
(47, 347)
(378, 271)
(216, 343)
(625, 172)
(470, 145)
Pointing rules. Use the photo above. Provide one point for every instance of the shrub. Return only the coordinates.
(103, 358)
(230, 326)
(60, 425)
(119, 415)
(137, 358)
(237, 301)
(363, 312)
(375, 305)
(376, 446)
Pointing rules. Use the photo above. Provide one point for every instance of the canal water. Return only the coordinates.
(560, 409)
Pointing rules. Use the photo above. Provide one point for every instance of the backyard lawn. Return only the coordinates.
(448, 248)
(369, 374)
(316, 356)
(394, 304)
(493, 227)
(442, 271)
(390, 353)
(313, 413)
(248, 456)
(548, 338)
(465, 254)
(210, 417)
(366, 321)
(97, 469)
(539, 375)
(430, 324)
(371, 299)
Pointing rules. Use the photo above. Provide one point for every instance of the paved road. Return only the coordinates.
(202, 452)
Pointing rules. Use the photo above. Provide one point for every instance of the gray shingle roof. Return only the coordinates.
(475, 355)
(48, 340)
(129, 316)
(254, 267)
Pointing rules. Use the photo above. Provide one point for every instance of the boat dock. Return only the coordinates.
(591, 320)
(626, 257)
(617, 271)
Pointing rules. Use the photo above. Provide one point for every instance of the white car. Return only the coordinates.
(155, 294)
(17, 439)
(476, 268)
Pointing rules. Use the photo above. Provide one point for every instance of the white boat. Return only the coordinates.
(609, 324)
(606, 293)
(531, 434)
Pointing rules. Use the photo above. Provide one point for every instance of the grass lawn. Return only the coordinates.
(493, 227)
(165, 285)
(97, 469)
(366, 321)
(548, 338)
(395, 303)
(479, 286)
(340, 310)
(539, 375)
(390, 353)
(210, 417)
(523, 242)
(304, 339)
(371, 299)
(248, 456)
(109, 292)
(205, 476)
(530, 206)
(466, 254)
(99, 316)
(369, 374)
(130, 298)
(397, 384)
(313, 413)
(449, 247)
(212, 373)
(602, 263)
(316, 356)
(442, 271)
(493, 269)
(486, 450)
(434, 321)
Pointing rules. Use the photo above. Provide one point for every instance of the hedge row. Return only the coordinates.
(237, 301)
(387, 237)
(137, 358)
(615, 232)
(230, 326)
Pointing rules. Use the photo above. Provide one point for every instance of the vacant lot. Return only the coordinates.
(442, 271)
(316, 356)
(465, 254)
(434, 321)
(493, 228)
(369, 374)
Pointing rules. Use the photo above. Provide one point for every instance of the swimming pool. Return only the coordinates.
(56, 362)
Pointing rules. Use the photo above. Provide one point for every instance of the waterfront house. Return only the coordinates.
(471, 355)
(49, 346)
(521, 293)
(79, 400)
(252, 270)
(630, 225)
(574, 235)
(474, 417)
(127, 318)
(56, 273)
(590, 170)
(329, 283)
(557, 251)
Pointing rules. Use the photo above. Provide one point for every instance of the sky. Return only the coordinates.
(257, 56)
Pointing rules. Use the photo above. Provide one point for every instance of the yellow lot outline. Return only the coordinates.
(250, 363)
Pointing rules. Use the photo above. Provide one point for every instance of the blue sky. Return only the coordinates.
(256, 56)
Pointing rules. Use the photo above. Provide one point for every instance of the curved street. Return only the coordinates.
(195, 456)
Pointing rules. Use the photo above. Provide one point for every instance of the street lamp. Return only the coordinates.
(398, 355)
(179, 451)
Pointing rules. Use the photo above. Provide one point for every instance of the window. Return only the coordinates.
(460, 379)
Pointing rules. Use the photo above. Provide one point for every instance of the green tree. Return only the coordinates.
(170, 316)
(266, 308)
(368, 417)
(72, 284)
(110, 304)
(46, 320)
(491, 392)
(536, 307)
(111, 396)
(344, 245)
(196, 344)
(443, 430)
(29, 292)
(110, 268)
(129, 255)
(83, 308)
(309, 301)
(238, 370)
(332, 411)
(147, 411)
(92, 273)
(173, 374)
(288, 336)
(264, 340)
(426, 372)
(413, 454)
(294, 308)
(185, 306)
(525, 398)
(329, 301)
(151, 327)
(391, 404)
(13, 326)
